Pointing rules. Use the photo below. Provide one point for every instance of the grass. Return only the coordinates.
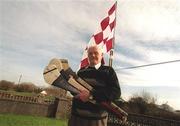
(19, 93)
(25, 120)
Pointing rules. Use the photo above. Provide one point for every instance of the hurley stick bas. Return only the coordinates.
(68, 72)
(53, 77)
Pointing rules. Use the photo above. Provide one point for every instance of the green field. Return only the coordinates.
(22, 120)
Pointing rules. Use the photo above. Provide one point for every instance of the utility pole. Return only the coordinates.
(19, 79)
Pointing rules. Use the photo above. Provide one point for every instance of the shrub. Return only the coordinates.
(138, 105)
(6, 85)
(25, 87)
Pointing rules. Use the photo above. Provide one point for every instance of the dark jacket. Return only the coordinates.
(106, 88)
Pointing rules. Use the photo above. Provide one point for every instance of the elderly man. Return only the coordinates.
(106, 88)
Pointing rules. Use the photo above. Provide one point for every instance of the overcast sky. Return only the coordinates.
(32, 32)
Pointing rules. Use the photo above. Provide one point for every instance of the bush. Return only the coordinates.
(138, 105)
(38, 90)
(25, 87)
(22, 87)
(6, 85)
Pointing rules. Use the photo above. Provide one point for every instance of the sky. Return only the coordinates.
(32, 32)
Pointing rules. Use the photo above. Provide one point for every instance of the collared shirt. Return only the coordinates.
(97, 66)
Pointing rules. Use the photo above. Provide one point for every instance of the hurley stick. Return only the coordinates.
(69, 73)
(53, 77)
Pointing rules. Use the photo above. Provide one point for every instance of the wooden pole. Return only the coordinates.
(113, 42)
(111, 57)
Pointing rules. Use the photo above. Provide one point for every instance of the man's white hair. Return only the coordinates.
(95, 46)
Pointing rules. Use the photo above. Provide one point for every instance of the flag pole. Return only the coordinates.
(113, 42)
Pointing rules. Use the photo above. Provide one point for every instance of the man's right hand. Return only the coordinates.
(83, 95)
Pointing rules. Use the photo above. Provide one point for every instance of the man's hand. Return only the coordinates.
(83, 95)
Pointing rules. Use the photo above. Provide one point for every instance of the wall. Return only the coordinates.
(60, 108)
(26, 105)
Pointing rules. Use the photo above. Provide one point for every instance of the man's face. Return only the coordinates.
(94, 55)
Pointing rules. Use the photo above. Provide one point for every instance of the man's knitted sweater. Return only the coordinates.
(106, 88)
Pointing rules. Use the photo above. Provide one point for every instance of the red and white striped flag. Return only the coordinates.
(104, 36)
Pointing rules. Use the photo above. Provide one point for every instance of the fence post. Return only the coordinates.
(62, 108)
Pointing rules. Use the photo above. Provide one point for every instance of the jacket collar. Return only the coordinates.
(96, 66)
